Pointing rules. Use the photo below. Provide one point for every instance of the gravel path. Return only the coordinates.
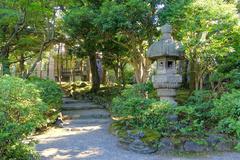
(92, 141)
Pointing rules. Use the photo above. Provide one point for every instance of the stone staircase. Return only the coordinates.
(84, 112)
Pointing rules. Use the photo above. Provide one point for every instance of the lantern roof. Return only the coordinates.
(166, 46)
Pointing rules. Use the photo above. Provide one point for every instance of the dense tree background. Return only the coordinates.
(123, 30)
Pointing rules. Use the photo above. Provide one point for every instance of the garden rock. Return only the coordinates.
(214, 139)
(166, 145)
(133, 143)
(136, 135)
(190, 146)
(140, 147)
(224, 146)
(124, 142)
(173, 118)
(59, 121)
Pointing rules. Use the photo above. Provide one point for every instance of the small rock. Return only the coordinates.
(214, 139)
(172, 118)
(135, 136)
(190, 146)
(139, 147)
(59, 122)
(166, 145)
(224, 146)
(126, 140)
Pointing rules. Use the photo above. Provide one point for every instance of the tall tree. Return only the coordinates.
(26, 27)
(80, 26)
(115, 57)
(131, 24)
(206, 28)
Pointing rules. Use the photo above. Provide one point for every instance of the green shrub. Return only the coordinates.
(132, 100)
(228, 105)
(138, 110)
(21, 112)
(227, 112)
(156, 116)
(201, 103)
(51, 94)
(190, 121)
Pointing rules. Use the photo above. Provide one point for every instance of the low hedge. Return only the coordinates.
(21, 112)
(51, 94)
(24, 107)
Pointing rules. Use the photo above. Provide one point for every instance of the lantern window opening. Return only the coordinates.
(170, 64)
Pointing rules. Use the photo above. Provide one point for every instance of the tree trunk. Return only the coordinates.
(116, 72)
(38, 59)
(141, 67)
(94, 71)
(185, 74)
(122, 72)
(21, 65)
(104, 78)
(48, 67)
(192, 84)
(89, 73)
(5, 61)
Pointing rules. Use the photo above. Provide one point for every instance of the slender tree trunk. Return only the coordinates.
(89, 73)
(61, 67)
(115, 69)
(5, 61)
(21, 65)
(192, 84)
(94, 71)
(58, 62)
(185, 74)
(104, 78)
(73, 69)
(123, 78)
(38, 59)
(141, 67)
(48, 67)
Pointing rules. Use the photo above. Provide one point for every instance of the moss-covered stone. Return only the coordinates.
(117, 128)
(151, 137)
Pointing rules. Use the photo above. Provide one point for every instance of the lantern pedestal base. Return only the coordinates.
(169, 99)
(167, 94)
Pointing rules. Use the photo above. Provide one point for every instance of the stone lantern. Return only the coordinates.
(166, 52)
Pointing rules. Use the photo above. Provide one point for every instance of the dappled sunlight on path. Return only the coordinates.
(93, 142)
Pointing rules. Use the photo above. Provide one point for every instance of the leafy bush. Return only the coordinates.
(190, 121)
(51, 94)
(132, 100)
(156, 116)
(225, 81)
(227, 112)
(201, 102)
(195, 117)
(137, 110)
(21, 112)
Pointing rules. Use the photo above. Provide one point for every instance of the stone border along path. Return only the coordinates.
(86, 137)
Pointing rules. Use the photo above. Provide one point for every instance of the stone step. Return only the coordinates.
(86, 121)
(65, 96)
(81, 106)
(70, 101)
(85, 114)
